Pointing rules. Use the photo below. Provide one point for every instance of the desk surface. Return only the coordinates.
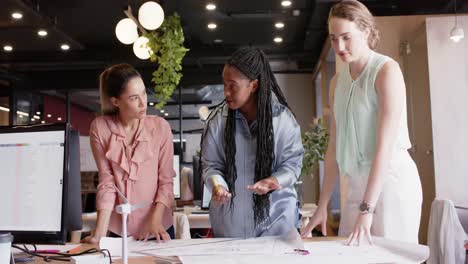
(145, 260)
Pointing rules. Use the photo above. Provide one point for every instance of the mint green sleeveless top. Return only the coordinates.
(356, 114)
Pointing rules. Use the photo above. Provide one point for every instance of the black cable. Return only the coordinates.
(61, 256)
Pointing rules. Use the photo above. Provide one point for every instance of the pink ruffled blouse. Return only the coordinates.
(143, 171)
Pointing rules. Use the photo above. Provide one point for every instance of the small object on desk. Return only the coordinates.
(74, 250)
(302, 251)
(90, 259)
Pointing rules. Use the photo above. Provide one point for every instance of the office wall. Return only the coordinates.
(299, 92)
(448, 68)
(80, 118)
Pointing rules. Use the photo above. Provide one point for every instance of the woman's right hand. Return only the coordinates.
(220, 195)
(319, 218)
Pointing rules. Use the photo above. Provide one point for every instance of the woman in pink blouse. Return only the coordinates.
(134, 152)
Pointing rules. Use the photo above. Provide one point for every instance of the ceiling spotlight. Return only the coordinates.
(456, 34)
(42, 33)
(32, 119)
(286, 3)
(212, 26)
(59, 118)
(38, 113)
(17, 15)
(42, 122)
(161, 111)
(65, 47)
(218, 41)
(210, 6)
(166, 114)
(151, 103)
(203, 112)
(279, 25)
(8, 48)
(278, 39)
(49, 115)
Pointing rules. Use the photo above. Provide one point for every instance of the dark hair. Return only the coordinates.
(253, 63)
(358, 13)
(112, 83)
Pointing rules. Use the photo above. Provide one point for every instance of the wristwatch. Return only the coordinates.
(366, 208)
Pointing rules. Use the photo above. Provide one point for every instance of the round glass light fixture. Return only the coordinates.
(17, 15)
(212, 26)
(65, 47)
(151, 15)
(457, 34)
(286, 3)
(42, 33)
(279, 25)
(278, 39)
(126, 31)
(210, 7)
(8, 48)
(141, 49)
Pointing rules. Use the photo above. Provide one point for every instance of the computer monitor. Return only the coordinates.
(197, 179)
(206, 198)
(40, 190)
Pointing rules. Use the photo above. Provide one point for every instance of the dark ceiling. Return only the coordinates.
(88, 27)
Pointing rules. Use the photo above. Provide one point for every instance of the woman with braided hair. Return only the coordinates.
(251, 152)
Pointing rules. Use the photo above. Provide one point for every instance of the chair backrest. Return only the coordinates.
(446, 235)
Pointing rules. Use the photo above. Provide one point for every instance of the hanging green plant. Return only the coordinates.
(167, 50)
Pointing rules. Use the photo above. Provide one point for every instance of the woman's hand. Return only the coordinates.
(319, 218)
(220, 195)
(92, 239)
(264, 186)
(154, 227)
(361, 230)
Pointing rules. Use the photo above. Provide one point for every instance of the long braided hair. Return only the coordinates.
(253, 63)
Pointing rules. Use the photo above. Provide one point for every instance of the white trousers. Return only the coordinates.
(398, 210)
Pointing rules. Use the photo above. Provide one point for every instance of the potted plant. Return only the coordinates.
(315, 141)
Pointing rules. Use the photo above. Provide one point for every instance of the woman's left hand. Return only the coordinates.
(154, 228)
(361, 230)
(264, 186)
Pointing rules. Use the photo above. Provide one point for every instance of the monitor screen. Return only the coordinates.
(32, 180)
(206, 198)
(177, 177)
(40, 190)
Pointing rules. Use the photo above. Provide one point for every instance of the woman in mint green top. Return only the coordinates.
(369, 136)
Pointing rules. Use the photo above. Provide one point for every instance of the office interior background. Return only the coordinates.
(44, 74)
